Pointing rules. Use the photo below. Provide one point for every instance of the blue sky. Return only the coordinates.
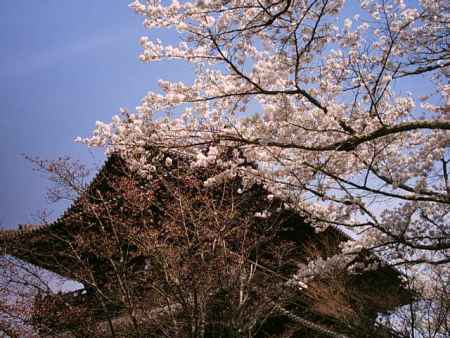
(63, 65)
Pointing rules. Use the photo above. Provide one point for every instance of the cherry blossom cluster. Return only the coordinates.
(344, 107)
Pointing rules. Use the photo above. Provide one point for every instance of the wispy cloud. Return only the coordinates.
(46, 58)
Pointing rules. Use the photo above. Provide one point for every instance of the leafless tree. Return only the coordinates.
(167, 256)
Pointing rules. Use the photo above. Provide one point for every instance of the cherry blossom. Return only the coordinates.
(346, 118)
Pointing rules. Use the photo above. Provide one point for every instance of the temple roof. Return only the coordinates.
(53, 246)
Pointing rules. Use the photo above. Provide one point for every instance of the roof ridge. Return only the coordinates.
(32, 229)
